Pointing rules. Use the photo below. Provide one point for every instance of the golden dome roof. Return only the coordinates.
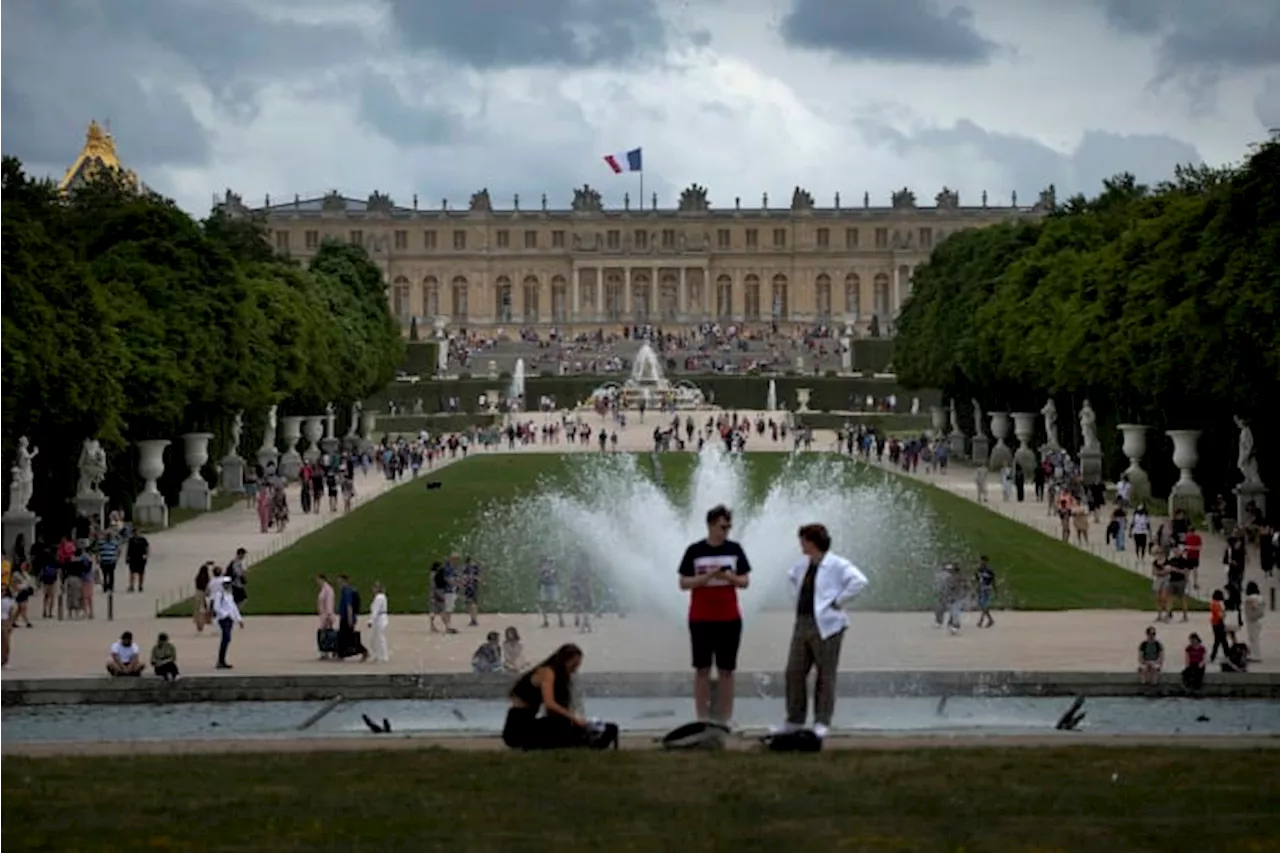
(99, 152)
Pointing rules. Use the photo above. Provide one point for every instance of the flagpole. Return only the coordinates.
(642, 189)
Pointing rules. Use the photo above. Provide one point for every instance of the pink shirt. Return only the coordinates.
(324, 606)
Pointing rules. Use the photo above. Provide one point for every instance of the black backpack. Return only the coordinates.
(800, 740)
(604, 736)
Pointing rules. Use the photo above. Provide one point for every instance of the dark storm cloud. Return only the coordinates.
(1267, 105)
(67, 61)
(383, 108)
(1199, 35)
(488, 34)
(1031, 165)
(898, 31)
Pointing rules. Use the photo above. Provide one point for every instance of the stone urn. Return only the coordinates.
(313, 431)
(368, 423)
(1001, 455)
(1134, 446)
(195, 492)
(1024, 427)
(290, 461)
(938, 416)
(494, 396)
(149, 508)
(493, 370)
(802, 399)
(1186, 494)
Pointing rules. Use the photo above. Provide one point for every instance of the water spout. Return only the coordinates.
(516, 388)
(771, 400)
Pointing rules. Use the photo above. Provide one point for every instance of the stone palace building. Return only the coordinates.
(588, 266)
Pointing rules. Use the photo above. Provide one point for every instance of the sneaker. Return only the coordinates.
(785, 728)
(820, 729)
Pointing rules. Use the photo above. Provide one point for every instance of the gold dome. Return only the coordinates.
(99, 152)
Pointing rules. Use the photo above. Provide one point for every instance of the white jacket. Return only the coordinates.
(838, 582)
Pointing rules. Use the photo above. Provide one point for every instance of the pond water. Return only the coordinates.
(920, 715)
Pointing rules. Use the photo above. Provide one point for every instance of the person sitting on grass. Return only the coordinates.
(488, 658)
(1150, 659)
(548, 684)
(164, 658)
(126, 657)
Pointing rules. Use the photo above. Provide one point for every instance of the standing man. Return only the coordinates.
(108, 556)
(225, 612)
(984, 579)
(136, 553)
(713, 570)
(824, 583)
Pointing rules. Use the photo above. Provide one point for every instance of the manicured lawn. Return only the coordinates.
(1103, 799)
(905, 531)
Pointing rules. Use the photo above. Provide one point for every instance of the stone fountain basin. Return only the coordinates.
(995, 715)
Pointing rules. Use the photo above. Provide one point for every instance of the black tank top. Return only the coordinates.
(530, 695)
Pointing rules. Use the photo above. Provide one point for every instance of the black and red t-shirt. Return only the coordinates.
(718, 600)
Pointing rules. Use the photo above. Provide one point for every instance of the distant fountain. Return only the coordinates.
(771, 400)
(611, 515)
(516, 389)
(649, 385)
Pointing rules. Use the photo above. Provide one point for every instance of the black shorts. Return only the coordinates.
(715, 642)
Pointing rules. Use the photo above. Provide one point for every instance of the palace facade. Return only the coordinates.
(586, 266)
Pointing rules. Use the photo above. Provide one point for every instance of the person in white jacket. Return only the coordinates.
(378, 624)
(823, 583)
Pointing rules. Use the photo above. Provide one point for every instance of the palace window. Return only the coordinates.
(312, 239)
(824, 238)
(882, 238)
(851, 238)
(557, 239)
(779, 238)
(402, 240)
(642, 240)
(504, 239)
(282, 241)
(753, 238)
(356, 238)
(668, 238)
(926, 238)
(614, 240)
(429, 240)
(531, 239)
(723, 239)
(459, 240)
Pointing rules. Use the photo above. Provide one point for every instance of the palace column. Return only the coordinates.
(682, 300)
(627, 284)
(893, 296)
(652, 310)
(577, 292)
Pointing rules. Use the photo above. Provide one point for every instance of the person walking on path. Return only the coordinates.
(824, 583)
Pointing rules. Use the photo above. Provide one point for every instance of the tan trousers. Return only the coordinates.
(808, 650)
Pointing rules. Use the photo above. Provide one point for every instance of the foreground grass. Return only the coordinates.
(928, 800)
(395, 538)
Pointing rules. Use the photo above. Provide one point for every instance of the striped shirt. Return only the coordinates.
(109, 550)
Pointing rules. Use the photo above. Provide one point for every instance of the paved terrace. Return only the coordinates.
(1077, 641)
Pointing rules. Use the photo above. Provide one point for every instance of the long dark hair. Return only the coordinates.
(558, 663)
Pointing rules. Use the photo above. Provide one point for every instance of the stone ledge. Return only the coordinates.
(294, 688)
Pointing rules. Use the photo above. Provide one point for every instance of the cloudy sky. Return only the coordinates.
(443, 97)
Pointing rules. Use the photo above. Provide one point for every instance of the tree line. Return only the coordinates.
(125, 319)
(1160, 305)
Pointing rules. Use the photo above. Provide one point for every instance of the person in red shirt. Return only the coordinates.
(713, 570)
(1193, 543)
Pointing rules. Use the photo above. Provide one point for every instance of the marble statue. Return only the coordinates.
(92, 465)
(977, 416)
(1089, 427)
(328, 410)
(1246, 461)
(23, 483)
(237, 432)
(356, 408)
(955, 419)
(1050, 412)
(418, 406)
(915, 405)
(269, 433)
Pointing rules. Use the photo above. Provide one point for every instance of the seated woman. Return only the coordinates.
(1237, 657)
(1193, 671)
(548, 684)
(512, 650)
(488, 657)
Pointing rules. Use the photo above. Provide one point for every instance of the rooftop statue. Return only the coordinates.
(801, 200)
(587, 200)
(694, 199)
(480, 202)
(904, 199)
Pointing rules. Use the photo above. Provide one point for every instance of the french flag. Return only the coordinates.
(628, 162)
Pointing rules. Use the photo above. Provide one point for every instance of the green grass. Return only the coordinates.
(395, 538)
(1083, 798)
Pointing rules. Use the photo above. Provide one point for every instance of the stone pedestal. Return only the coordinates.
(291, 460)
(1134, 446)
(1001, 455)
(1185, 494)
(980, 448)
(195, 492)
(1091, 466)
(232, 479)
(1246, 493)
(150, 509)
(19, 523)
(494, 397)
(92, 505)
(1024, 427)
(956, 440)
(313, 430)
